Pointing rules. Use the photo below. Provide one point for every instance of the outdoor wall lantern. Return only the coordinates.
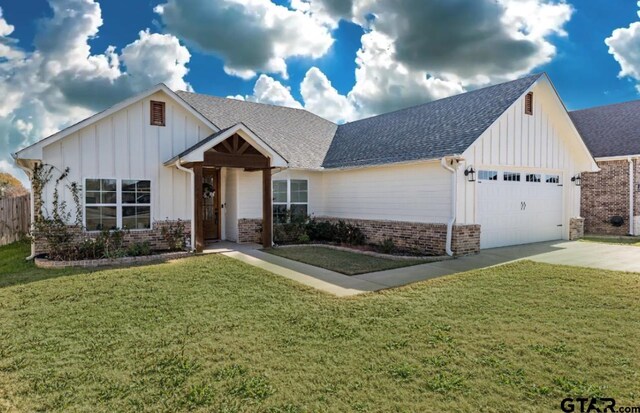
(470, 173)
(576, 180)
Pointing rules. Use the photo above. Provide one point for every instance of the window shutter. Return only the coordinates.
(528, 104)
(157, 113)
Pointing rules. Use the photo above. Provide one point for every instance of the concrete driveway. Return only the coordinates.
(576, 253)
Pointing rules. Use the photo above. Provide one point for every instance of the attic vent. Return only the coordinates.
(528, 104)
(157, 113)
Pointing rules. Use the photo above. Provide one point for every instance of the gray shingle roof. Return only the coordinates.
(300, 137)
(612, 130)
(440, 128)
(433, 130)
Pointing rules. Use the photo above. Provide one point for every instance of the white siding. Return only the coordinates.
(125, 146)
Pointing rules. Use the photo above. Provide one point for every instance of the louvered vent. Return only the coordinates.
(528, 104)
(157, 113)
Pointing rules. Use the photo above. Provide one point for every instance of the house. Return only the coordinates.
(610, 197)
(487, 168)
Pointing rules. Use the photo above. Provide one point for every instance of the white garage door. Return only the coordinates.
(517, 207)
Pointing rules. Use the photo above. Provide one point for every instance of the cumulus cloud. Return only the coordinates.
(624, 45)
(62, 81)
(269, 91)
(321, 98)
(250, 35)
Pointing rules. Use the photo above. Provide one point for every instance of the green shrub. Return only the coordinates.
(320, 230)
(174, 235)
(304, 239)
(387, 246)
(137, 249)
(346, 233)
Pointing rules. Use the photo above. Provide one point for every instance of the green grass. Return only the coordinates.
(213, 334)
(622, 240)
(344, 262)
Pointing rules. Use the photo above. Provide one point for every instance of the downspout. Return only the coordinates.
(631, 191)
(452, 220)
(193, 188)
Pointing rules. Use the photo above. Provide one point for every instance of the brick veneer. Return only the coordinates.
(576, 228)
(425, 237)
(250, 230)
(153, 236)
(605, 194)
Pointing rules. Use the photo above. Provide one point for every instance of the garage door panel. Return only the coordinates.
(517, 212)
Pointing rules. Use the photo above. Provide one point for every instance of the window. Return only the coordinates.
(533, 178)
(136, 204)
(511, 176)
(552, 179)
(292, 195)
(157, 113)
(528, 104)
(101, 204)
(488, 175)
(111, 204)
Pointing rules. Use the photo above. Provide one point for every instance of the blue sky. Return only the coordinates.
(54, 69)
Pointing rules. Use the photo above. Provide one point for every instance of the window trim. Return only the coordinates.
(163, 106)
(289, 203)
(118, 203)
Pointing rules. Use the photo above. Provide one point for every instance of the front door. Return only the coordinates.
(211, 203)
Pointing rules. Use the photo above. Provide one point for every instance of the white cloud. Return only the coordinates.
(321, 98)
(269, 91)
(250, 35)
(62, 81)
(624, 45)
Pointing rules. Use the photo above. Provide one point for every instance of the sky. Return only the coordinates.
(63, 60)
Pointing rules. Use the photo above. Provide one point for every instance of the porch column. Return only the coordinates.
(267, 208)
(197, 206)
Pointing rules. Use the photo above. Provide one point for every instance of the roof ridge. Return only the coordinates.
(535, 75)
(606, 106)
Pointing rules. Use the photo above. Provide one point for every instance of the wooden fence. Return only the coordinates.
(15, 218)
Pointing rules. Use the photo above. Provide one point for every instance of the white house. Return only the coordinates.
(483, 169)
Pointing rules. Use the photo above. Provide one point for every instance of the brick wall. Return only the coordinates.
(425, 237)
(605, 194)
(250, 230)
(153, 236)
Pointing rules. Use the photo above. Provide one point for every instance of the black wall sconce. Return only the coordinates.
(576, 180)
(470, 173)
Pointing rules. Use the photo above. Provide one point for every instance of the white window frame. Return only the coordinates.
(118, 203)
(289, 203)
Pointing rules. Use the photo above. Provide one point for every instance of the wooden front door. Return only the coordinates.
(211, 203)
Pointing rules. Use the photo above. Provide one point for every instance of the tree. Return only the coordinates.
(10, 186)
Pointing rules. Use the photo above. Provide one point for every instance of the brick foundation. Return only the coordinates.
(426, 238)
(576, 228)
(605, 194)
(153, 236)
(250, 230)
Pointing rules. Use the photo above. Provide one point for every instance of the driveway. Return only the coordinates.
(576, 253)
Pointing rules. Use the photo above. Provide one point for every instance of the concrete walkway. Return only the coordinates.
(582, 254)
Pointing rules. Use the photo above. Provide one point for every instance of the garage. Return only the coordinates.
(519, 206)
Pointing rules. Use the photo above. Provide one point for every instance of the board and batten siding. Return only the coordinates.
(126, 146)
(542, 142)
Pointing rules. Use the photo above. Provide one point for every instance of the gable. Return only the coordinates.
(546, 139)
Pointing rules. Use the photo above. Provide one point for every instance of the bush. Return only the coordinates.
(303, 229)
(175, 236)
(111, 241)
(320, 230)
(137, 249)
(387, 246)
(304, 239)
(345, 233)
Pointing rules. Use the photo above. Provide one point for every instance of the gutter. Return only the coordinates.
(454, 198)
(193, 188)
(631, 192)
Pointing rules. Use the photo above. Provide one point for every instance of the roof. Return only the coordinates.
(432, 130)
(300, 137)
(612, 130)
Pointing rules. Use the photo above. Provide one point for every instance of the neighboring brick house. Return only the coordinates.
(611, 198)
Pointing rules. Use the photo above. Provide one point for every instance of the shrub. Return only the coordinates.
(304, 239)
(346, 233)
(387, 246)
(320, 230)
(112, 242)
(137, 249)
(174, 235)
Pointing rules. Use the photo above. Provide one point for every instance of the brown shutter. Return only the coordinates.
(157, 113)
(528, 104)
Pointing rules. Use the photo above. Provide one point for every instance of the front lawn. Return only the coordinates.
(213, 334)
(344, 262)
(623, 240)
